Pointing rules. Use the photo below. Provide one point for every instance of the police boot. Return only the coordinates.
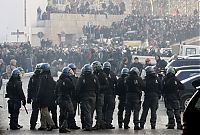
(64, 130)
(120, 124)
(179, 126)
(137, 127)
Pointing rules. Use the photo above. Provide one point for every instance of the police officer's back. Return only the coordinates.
(171, 88)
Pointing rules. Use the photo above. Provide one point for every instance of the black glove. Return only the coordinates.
(23, 102)
(29, 101)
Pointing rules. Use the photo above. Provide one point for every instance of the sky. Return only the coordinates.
(11, 17)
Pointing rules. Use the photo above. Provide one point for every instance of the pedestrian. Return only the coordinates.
(16, 96)
(171, 90)
(64, 88)
(44, 97)
(134, 85)
(9, 68)
(109, 98)
(137, 64)
(120, 91)
(32, 92)
(74, 97)
(152, 95)
(160, 64)
(103, 81)
(87, 88)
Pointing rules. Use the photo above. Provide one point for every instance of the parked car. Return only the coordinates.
(191, 117)
(187, 67)
(188, 91)
(183, 62)
(184, 74)
(197, 56)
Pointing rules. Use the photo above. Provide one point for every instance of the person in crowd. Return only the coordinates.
(137, 64)
(171, 90)
(44, 96)
(64, 88)
(16, 96)
(147, 62)
(88, 88)
(9, 68)
(152, 95)
(109, 98)
(160, 64)
(120, 91)
(2, 71)
(134, 86)
(103, 81)
(32, 92)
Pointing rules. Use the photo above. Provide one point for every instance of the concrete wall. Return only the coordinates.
(70, 24)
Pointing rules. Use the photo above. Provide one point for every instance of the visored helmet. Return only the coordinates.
(67, 71)
(124, 71)
(106, 65)
(72, 66)
(149, 70)
(96, 65)
(171, 70)
(87, 68)
(38, 68)
(16, 72)
(134, 71)
(45, 67)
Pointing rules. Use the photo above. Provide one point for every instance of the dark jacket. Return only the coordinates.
(46, 90)
(33, 86)
(103, 80)
(134, 84)
(152, 86)
(112, 83)
(171, 87)
(86, 84)
(121, 88)
(14, 89)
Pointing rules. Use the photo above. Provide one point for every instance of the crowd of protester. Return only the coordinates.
(83, 8)
(158, 30)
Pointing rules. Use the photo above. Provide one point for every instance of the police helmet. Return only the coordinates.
(149, 70)
(38, 68)
(87, 69)
(45, 67)
(124, 71)
(15, 73)
(96, 65)
(171, 70)
(67, 71)
(134, 70)
(72, 66)
(106, 65)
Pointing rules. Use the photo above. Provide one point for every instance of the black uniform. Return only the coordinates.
(64, 89)
(134, 89)
(171, 87)
(122, 98)
(109, 100)
(87, 88)
(152, 94)
(74, 99)
(103, 81)
(16, 95)
(33, 86)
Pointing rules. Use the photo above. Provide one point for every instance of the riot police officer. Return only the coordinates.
(109, 99)
(33, 86)
(64, 88)
(134, 85)
(16, 96)
(122, 95)
(74, 98)
(87, 88)
(152, 95)
(44, 97)
(171, 89)
(103, 81)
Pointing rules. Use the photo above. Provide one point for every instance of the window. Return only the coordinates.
(190, 51)
(59, 1)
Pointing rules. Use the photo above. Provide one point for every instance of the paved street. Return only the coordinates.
(24, 120)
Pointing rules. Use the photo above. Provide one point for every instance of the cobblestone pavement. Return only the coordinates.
(24, 120)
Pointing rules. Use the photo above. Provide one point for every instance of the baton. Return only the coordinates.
(25, 109)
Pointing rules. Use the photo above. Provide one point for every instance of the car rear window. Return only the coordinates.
(179, 63)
